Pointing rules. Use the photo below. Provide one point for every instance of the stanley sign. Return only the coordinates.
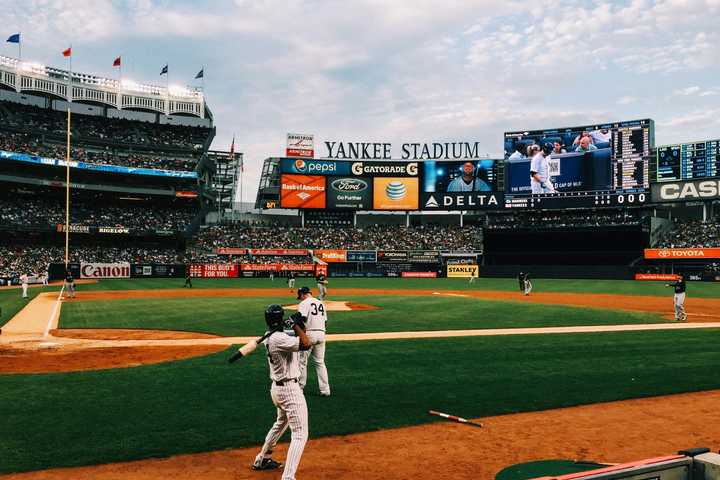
(463, 271)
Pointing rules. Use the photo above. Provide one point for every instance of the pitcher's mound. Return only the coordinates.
(336, 306)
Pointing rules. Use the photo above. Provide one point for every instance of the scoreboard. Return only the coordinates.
(688, 161)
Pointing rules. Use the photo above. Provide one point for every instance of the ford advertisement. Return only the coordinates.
(349, 192)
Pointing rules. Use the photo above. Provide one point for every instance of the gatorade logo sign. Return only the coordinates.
(463, 271)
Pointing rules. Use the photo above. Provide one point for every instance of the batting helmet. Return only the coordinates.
(274, 316)
(547, 148)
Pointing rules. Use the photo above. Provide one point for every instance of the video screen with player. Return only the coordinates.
(459, 176)
(590, 165)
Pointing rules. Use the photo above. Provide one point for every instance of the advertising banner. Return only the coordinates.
(105, 270)
(313, 167)
(682, 253)
(385, 169)
(230, 251)
(685, 191)
(361, 256)
(277, 267)
(463, 271)
(462, 201)
(668, 277)
(349, 192)
(302, 191)
(321, 269)
(423, 256)
(395, 193)
(294, 252)
(300, 145)
(229, 270)
(331, 256)
(419, 274)
(392, 256)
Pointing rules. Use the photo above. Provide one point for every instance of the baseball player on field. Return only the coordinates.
(69, 284)
(679, 298)
(284, 362)
(524, 283)
(291, 281)
(322, 286)
(24, 283)
(314, 315)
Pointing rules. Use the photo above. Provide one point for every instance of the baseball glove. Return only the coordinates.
(295, 319)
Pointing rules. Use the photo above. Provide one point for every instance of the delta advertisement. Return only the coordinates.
(105, 270)
(302, 191)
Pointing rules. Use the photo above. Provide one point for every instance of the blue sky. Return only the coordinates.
(400, 71)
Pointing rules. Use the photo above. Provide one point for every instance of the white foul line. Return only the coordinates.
(54, 311)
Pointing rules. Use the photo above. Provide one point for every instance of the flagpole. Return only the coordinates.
(20, 47)
(67, 193)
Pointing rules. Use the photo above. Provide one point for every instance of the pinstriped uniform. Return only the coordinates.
(315, 312)
(286, 394)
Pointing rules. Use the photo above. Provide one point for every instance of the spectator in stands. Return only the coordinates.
(585, 145)
(558, 148)
(520, 152)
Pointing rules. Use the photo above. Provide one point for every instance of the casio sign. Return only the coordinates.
(349, 185)
(690, 190)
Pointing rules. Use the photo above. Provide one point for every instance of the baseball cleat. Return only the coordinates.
(266, 464)
(324, 394)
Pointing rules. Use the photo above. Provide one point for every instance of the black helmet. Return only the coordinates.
(547, 148)
(302, 291)
(274, 316)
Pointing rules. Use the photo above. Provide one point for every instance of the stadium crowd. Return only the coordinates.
(693, 234)
(35, 259)
(32, 145)
(33, 210)
(386, 237)
(91, 129)
(533, 220)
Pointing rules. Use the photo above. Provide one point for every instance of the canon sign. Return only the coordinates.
(105, 270)
(684, 191)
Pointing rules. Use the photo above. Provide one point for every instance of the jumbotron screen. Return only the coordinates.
(688, 161)
(585, 166)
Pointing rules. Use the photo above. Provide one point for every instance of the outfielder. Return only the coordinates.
(524, 283)
(679, 298)
(286, 394)
(314, 315)
(322, 286)
(540, 169)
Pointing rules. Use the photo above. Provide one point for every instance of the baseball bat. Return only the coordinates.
(454, 418)
(249, 347)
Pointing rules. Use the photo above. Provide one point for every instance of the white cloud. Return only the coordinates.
(626, 100)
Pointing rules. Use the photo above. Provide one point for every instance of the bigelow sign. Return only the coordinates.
(686, 191)
(105, 270)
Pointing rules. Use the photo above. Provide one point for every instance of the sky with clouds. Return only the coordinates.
(400, 70)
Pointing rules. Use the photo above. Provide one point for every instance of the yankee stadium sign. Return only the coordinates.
(686, 191)
(409, 151)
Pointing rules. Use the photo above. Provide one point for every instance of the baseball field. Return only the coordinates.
(132, 381)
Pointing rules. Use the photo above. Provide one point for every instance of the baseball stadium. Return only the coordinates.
(551, 313)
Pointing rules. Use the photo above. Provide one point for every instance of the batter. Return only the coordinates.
(286, 394)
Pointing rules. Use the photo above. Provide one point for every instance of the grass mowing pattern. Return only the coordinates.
(614, 287)
(243, 316)
(202, 404)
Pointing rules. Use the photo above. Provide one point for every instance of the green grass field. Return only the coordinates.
(203, 404)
